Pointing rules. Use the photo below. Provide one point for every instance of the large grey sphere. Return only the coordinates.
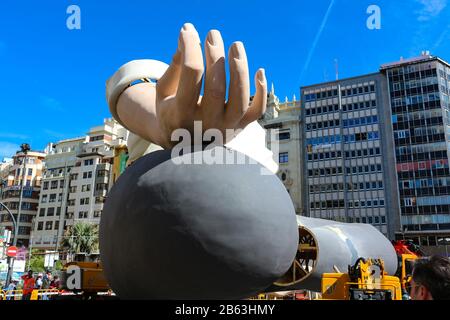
(196, 231)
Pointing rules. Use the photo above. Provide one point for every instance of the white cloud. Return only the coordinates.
(7, 150)
(316, 39)
(430, 9)
(445, 36)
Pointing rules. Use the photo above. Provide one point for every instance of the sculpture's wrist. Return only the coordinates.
(136, 108)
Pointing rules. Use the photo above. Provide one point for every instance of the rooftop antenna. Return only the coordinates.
(336, 65)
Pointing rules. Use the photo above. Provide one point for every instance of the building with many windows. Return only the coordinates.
(345, 162)
(15, 177)
(92, 176)
(77, 176)
(418, 92)
(52, 218)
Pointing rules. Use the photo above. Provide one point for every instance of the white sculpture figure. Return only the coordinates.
(168, 97)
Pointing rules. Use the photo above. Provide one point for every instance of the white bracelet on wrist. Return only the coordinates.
(145, 70)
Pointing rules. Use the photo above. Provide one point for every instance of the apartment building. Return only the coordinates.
(52, 218)
(25, 172)
(92, 176)
(418, 92)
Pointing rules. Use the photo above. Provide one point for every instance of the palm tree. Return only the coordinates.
(81, 239)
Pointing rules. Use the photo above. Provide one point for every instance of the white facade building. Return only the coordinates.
(52, 217)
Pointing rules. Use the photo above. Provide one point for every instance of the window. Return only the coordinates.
(50, 212)
(24, 230)
(52, 198)
(84, 201)
(48, 225)
(97, 214)
(73, 189)
(61, 183)
(45, 186)
(42, 212)
(44, 198)
(103, 186)
(74, 176)
(102, 173)
(86, 187)
(97, 138)
(40, 226)
(89, 162)
(54, 185)
(58, 211)
(87, 175)
(30, 172)
(284, 136)
(284, 157)
(83, 215)
(56, 225)
(99, 200)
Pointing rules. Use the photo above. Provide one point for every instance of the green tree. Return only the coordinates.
(81, 239)
(59, 265)
(36, 261)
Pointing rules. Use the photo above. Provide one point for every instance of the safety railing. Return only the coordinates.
(11, 295)
(44, 294)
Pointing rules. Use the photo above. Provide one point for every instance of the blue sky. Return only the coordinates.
(52, 83)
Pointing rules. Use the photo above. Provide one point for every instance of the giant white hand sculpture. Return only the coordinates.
(154, 111)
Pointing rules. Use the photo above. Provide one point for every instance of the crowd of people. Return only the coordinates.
(40, 281)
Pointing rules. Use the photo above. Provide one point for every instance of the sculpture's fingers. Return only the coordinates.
(239, 89)
(259, 103)
(191, 69)
(213, 101)
(168, 84)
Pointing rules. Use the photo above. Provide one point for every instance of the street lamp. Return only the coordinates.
(10, 259)
(25, 147)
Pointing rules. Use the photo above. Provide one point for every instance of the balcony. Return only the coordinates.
(86, 151)
(53, 175)
(119, 142)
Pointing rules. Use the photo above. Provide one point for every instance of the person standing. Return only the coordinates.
(28, 285)
(39, 282)
(10, 290)
(55, 284)
(46, 280)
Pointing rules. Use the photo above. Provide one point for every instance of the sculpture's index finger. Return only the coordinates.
(192, 67)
